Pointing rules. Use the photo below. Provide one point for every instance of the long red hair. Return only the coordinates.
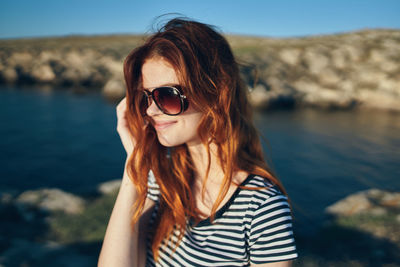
(209, 76)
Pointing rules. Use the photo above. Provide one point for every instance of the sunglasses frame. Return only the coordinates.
(182, 99)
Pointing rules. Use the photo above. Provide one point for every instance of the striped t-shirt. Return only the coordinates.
(253, 227)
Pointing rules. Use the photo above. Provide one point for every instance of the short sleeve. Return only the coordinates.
(153, 191)
(271, 234)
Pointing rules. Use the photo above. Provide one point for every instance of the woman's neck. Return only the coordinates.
(200, 159)
(211, 183)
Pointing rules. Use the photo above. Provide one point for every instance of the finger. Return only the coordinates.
(122, 104)
(121, 109)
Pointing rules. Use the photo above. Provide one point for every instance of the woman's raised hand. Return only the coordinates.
(122, 127)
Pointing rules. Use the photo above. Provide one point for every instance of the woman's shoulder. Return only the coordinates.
(258, 191)
(268, 222)
(256, 183)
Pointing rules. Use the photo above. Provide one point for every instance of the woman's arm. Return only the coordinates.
(120, 246)
(121, 242)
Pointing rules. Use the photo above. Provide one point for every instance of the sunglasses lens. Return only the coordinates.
(168, 100)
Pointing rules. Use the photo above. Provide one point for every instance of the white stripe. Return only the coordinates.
(271, 222)
(214, 226)
(224, 240)
(153, 191)
(269, 215)
(278, 250)
(273, 244)
(268, 238)
(268, 231)
(206, 253)
(206, 243)
(259, 183)
(201, 235)
(264, 208)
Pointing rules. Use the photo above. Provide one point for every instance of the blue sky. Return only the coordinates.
(33, 18)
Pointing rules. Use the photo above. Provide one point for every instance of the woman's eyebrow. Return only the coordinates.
(161, 85)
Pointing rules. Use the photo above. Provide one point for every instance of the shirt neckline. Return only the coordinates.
(225, 207)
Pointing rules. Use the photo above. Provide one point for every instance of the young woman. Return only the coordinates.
(196, 190)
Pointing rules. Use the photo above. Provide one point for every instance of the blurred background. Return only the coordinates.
(324, 80)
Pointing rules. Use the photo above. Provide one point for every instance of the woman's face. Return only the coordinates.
(171, 130)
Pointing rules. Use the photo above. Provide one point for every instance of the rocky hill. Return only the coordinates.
(350, 70)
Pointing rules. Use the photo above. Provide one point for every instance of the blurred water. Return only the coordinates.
(55, 138)
(323, 156)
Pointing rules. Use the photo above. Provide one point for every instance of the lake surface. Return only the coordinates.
(57, 138)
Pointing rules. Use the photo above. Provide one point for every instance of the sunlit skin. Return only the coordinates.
(171, 130)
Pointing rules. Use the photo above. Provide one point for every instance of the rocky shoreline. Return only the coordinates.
(343, 71)
(50, 227)
(362, 229)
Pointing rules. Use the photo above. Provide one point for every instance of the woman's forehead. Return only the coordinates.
(158, 72)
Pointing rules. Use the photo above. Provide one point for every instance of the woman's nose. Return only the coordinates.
(153, 110)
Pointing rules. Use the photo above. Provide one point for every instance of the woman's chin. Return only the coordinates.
(167, 142)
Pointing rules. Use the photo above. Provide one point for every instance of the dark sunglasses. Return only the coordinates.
(168, 99)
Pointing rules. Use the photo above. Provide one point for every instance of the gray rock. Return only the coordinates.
(259, 96)
(329, 77)
(109, 187)
(375, 99)
(8, 75)
(114, 88)
(50, 200)
(339, 58)
(20, 59)
(43, 73)
(353, 204)
(373, 202)
(315, 95)
(290, 56)
(75, 75)
(315, 61)
(391, 200)
(46, 57)
(114, 67)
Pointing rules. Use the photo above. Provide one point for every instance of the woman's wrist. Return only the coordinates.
(126, 183)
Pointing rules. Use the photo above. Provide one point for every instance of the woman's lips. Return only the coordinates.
(161, 125)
